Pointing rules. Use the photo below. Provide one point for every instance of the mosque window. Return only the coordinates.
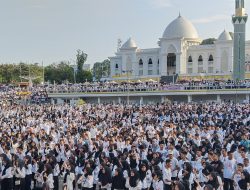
(190, 59)
(211, 58)
(200, 58)
(140, 62)
(200, 61)
(116, 66)
(150, 62)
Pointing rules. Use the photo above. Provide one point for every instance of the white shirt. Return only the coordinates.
(8, 173)
(167, 174)
(147, 180)
(50, 181)
(158, 185)
(88, 182)
(19, 173)
(56, 170)
(28, 171)
(174, 163)
(229, 168)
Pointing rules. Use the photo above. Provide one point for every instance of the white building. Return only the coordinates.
(179, 52)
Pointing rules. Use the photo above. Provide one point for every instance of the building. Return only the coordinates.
(181, 53)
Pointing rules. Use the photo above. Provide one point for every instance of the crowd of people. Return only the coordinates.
(151, 147)
(150, 85)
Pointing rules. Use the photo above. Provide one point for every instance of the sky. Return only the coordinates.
(52, 30)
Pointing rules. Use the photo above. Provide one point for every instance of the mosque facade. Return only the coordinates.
(181, 53)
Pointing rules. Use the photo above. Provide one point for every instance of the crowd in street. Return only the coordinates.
(151, 147)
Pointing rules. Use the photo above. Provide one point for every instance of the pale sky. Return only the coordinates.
(52, 30)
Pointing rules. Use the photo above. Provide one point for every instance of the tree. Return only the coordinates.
(59, 72)
(208, 41)
(10, 73)
(81, 58)
(101, 69)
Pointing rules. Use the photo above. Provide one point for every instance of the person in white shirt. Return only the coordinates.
(162, 151)
(87, 179)
(242, 156)
(6, 175)
(19, 173)
(246, 165)
(48, 177)
(228, 172)
(157, 181)
(56, 172)
(145, 176)
(133, 182)
(167, 175)
(69, 176)
(28, 172)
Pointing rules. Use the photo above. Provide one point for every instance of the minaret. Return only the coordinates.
(239, 21)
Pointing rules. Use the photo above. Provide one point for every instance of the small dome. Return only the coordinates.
(180, 28)
(225, 36)
(130, 43)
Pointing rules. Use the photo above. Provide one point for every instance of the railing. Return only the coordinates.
(151, 89)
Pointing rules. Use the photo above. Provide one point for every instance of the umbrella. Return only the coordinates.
(113, 82)
(86, 83)
(151, 80)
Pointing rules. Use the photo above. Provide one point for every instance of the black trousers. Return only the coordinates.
(167, 187)
(28, 179)
(56, 183)
(21, 186)
(7, 184)
(228, 184)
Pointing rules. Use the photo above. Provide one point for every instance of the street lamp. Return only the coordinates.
(74, 66)
(127, 72)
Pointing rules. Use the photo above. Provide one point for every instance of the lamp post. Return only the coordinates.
(74, 66)
(127, 72)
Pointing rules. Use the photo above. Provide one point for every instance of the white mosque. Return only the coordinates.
(181, 53)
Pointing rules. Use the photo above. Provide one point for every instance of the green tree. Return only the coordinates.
(59, 73)
(10, 73)
(208, 41)
(101, 69)
(81, 58)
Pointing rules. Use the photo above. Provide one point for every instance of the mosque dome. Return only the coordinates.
(180, 28)
(130, 43)
(225, 36)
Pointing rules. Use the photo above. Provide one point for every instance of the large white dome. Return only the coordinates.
(180, 28)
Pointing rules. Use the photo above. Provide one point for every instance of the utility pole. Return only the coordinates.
(127, 72)
(43, 74)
